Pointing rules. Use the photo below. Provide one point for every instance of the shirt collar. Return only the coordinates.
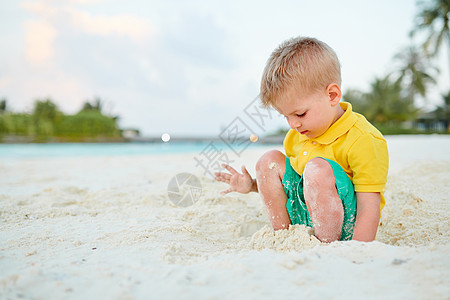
(338, 128)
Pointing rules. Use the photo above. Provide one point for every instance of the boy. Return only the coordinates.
(335, 169)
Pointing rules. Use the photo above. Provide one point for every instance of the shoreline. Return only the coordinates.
(278, 139)
(149, 140)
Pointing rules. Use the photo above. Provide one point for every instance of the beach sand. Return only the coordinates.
(105, 228)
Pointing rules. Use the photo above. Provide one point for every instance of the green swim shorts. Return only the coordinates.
(296, 205)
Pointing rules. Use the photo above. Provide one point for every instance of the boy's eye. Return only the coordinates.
(301, 115)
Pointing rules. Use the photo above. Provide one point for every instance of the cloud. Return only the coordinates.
(40, 8)
(86, 1)
(123, 25)
(39, 41)
(128, 25)
(178, 64)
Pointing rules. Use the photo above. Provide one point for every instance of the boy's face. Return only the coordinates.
(312, 114)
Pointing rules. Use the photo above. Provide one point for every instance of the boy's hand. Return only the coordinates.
(242, 183)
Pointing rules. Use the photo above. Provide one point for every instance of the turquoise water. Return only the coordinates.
(87, 149)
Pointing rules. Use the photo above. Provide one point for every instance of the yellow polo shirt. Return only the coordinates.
(355, 144)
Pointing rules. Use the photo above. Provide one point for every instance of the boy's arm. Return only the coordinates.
(367, 216)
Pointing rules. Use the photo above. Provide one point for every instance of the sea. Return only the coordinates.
(46, 150)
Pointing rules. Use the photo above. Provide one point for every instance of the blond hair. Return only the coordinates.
(304, 63)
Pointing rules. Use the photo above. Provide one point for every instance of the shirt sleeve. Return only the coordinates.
(369, 161)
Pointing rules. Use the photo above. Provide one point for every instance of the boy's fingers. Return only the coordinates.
(220, 174)
(222, 177)
(226, 191)
(244, 171)
(230, 169)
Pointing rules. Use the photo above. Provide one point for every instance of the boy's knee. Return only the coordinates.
(270, 161)
(318, 171)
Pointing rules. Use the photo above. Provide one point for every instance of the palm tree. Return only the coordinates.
(97, 105)
(434, 18)
(389, 103)
(384, 103)
(358, 99)
(414, 72)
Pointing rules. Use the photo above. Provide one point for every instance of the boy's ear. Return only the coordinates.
(334, 93)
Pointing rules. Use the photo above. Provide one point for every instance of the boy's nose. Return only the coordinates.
(294, 124)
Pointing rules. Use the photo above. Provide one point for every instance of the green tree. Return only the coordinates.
(3, 106)
(446, 104)
(45, 116)
(358, 99)
(45, 109)
(384, 103)
(414, 72)
(16, 124)
(88, 124)
(434, 19)
(97, 104)
(443, 111)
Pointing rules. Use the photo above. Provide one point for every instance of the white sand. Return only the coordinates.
(104, 228)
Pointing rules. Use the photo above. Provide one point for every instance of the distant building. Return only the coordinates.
(433, 121)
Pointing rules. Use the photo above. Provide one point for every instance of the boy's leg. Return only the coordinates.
(269, 175)
(322, 200)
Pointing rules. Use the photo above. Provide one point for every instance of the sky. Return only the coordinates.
(185, 67)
